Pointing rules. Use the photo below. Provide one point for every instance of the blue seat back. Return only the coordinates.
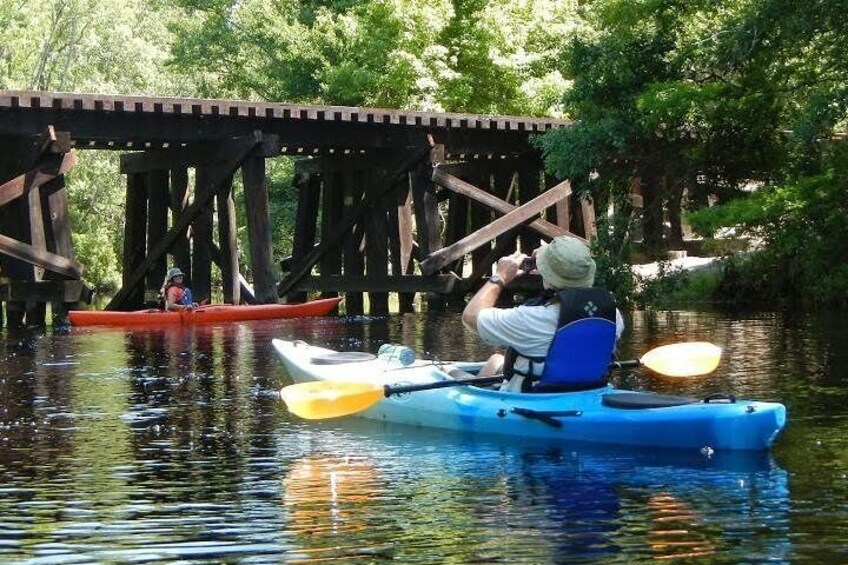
(580, 355)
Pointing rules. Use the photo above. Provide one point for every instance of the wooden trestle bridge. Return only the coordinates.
(388, 200)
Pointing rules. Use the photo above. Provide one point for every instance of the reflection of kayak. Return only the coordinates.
(600, 416)
(213, 313)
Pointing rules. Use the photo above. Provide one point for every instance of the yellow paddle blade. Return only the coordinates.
(330, 399)
(683, 359)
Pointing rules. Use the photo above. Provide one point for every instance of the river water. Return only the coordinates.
(142, 446)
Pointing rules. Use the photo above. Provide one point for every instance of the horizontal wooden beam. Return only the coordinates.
(45, 291)
(443, 284)
(48, 169)
(469, 243)
(459, 186)
(185, 157)
(50, 261)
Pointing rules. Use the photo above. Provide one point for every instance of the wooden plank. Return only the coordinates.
(528, 189)
(401, 240)
(426, 209)
(37, 236)
(518, 216)
(135, 236)
(590, 227)
(181, 249)
(354, 261)
(332, 212)
(48, 169)
(306, 217)
(54, 205)
(237, 149)
(259, 228)
(158, 207)
(377, 243)
(201, 234)
(39, 257)
(563, 217)
(229, 246)
(441, 283)
(332, 240)
(246, 292)
(459, 186)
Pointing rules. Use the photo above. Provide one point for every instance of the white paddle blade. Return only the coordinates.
(683, 359)
(329, 399)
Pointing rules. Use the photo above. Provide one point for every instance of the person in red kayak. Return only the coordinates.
(176, 295)
(561, 340)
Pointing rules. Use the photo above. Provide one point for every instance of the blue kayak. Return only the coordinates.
(602, 416)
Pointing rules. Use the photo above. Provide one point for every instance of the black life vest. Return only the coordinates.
(582, 348)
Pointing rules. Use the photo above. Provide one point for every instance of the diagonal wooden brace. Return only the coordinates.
(40, 258)
(469, 243)
(48, 169)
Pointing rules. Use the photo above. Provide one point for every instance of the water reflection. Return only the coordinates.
(121, 445)
(478, 501)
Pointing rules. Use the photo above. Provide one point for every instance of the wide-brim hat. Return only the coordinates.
(175, 272)
(566, 262)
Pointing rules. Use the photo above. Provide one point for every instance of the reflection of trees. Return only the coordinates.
(60, 398)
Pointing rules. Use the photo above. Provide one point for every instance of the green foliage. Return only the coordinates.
(463, 55)
(804, 228)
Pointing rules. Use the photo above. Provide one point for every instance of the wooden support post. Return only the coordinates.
(563, 208)
(308, 200)
(590, 227)
(427, 220)
(376, 240)
(229, 246)
(401, 240)
(135, 236)
(54, 206)
(354, 263)
(201, 231)
(480, 216)
(528, 189)
(332, 206)
(259, 229)
(181, 249)
(158, 204)
(503, 178)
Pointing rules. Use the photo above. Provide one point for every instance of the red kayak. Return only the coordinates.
(213, 313)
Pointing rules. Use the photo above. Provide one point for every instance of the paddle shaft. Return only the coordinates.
(405, 389)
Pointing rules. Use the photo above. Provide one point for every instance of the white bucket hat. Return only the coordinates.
(174, 272)
(566, 262)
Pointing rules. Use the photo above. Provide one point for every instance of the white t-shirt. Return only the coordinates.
(527, 329)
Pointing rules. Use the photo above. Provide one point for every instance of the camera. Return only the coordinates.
(528, 264)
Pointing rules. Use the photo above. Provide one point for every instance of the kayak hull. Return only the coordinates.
(572, 416)
(214, 313)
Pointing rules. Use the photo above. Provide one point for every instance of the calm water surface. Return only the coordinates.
(136, 446)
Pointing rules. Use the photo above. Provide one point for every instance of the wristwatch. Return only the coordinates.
(496, 279)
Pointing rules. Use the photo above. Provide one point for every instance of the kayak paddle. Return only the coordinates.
(332, 399)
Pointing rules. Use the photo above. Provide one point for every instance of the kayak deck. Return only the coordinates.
(213, 313)
(585, 416)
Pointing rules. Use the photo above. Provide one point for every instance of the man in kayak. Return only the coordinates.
(177, 296)
(562, 340)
